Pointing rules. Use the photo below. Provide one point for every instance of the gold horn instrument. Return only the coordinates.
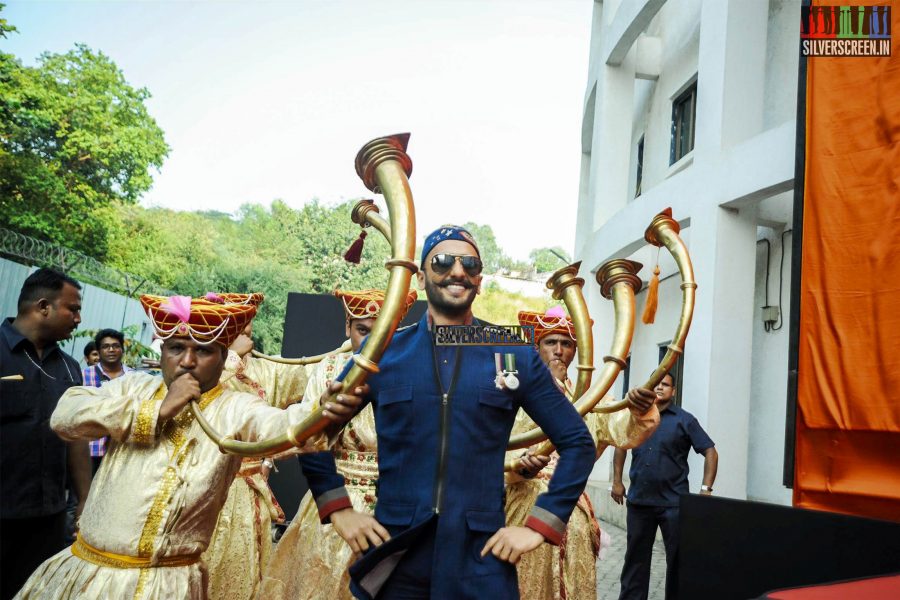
(618, 280)
(566, 285)
(663, 231)
(384, 167)
(304, 360)
(365, 213)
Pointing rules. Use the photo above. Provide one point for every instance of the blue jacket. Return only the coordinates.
(446, 461)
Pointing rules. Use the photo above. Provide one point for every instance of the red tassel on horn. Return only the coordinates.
(354, 253)
(649, 315)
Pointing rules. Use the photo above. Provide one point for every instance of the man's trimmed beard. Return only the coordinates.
(432, 292)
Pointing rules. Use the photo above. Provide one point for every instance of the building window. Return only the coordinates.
(684, 115)
(640, 167)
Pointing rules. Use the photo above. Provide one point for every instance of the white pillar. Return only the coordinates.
(610, 149)
(731, 73)
(719, 348)
(584, 220)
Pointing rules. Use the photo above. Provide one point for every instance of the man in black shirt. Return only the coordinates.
(34, 372)
(659, 477)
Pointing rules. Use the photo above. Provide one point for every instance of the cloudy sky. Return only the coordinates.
(264, 100)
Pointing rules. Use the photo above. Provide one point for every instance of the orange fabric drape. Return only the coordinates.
(848, 400)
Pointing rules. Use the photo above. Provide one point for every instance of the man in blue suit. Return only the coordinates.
(443, 427)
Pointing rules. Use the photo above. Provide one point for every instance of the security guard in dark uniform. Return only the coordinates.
(34, 462)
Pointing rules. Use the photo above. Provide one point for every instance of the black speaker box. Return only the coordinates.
(736, 549)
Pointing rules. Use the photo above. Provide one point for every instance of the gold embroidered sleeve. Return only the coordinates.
(522, 424)
(121, 408)
(143, 431)
(315, 376)
(511, 478)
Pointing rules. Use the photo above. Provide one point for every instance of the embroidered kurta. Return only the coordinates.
(154, 502)
(568, 571)
(311, 560)
(242, 544)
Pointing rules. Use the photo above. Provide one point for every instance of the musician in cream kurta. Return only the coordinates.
(311, 560)
(242, 542)
(154, 501)
(568, 570)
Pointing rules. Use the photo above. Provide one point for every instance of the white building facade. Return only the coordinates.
(691, 104)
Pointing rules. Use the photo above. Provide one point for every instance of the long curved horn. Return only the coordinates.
(303, 360)
(384, 167)
(618, 280)
(567, 286)
(365, 213)
(663, 231)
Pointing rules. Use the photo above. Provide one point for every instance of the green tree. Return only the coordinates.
(495, 305)
(491, 255)
(274, 250)
(76, 143)
(549, 259)
(5, 27)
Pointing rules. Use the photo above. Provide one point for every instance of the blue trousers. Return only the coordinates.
(642, 522)
(411, 580)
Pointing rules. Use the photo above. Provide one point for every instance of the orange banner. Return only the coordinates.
(848, 399)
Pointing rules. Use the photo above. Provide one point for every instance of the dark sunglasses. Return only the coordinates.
(441, 263)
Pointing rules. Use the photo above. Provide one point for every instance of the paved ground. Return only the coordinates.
(609, 568)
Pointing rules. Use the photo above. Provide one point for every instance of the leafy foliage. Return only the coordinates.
(491, 254)
(274, 250)
(549, 259)
(5, 27)
(134, 350)
(502, 307)
(76, 143)
(494, 258)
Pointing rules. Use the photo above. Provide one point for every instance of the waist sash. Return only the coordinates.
(85, 551)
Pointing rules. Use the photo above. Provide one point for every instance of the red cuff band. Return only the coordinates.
(550, 534)
(334, 506)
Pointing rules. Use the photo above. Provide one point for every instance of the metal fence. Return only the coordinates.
(30, 251)
(100, 307)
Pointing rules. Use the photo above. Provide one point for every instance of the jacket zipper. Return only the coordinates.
(442, 456)
(444, 428)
